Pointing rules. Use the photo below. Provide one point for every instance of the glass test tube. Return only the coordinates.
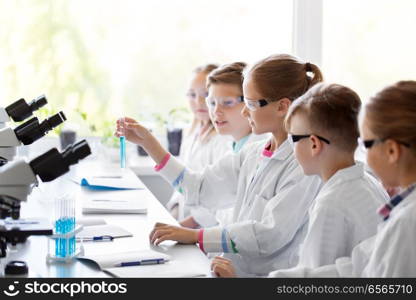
(65, 223)
(123, 145)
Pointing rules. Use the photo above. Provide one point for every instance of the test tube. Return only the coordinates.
(123, 145)
(65, 223)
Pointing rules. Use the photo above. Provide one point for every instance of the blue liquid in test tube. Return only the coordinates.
(123, 147)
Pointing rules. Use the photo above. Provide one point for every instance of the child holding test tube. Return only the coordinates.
(273, 195)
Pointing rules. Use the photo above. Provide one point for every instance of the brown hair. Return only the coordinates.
(332, 111)
(228, 74)
(283, 76)
(391, 113)
(208, 68)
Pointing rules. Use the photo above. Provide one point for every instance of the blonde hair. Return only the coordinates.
(331, 110)
(283, 76)
(210, 132)
(391, 113)
(228, 74)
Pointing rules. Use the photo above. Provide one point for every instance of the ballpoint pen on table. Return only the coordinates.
(103, 238)
(154, 261)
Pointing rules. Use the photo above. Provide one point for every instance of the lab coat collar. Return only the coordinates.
(346, 174)
(400, 200)
(281, 153)
(407, 200)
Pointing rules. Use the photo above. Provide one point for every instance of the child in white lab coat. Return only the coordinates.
(273, 195)
(225, 102)
(201, 145)
(323, 128)
(388, 132)
(343, 214)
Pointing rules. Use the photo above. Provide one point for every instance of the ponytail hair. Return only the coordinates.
(284, 76)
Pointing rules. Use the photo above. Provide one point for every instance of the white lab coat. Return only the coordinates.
(271, 210)
(196, 156)
(390, 253)
(207, 217)
(343, 215)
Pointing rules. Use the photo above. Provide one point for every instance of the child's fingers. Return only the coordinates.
(223, 260)
(133, 125)
(214, 263)
(156, 227)
(131, 120)
(219, 270)
(163, 238)
(158, 234)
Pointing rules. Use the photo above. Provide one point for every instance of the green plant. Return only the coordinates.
(178, 116)
(103, 127)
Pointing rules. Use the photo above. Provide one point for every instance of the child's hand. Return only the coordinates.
(223, 267)
(133, 131)
(136, 133)
(162, 232)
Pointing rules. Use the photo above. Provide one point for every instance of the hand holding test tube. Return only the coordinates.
(134, 132)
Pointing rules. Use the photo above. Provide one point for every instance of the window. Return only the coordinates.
(368, 44)
(108, 58)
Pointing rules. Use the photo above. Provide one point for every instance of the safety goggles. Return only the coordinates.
(192, 95)
(367, 144)
(223, 102)
(293, 138)
(253, 105)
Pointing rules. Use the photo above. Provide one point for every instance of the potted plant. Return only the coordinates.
(177, 117)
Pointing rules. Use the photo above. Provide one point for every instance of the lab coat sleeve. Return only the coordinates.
(204, 216)
(393, 254)
(325, 240)
(282, 217)
(215, 183)
(341, 268)
(301, 272)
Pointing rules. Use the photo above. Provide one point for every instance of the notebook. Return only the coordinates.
(170, 269)
(92, 231)
(116, 180)
(111, 202)
(124, 260)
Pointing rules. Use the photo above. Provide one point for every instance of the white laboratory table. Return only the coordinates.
(41, 204)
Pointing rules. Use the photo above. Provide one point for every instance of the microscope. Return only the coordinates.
(17, 180)
(20, 110)
(27, 132)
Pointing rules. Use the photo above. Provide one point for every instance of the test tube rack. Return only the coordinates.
(51, 258)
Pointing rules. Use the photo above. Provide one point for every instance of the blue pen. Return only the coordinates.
(155, 261)
(103, 238)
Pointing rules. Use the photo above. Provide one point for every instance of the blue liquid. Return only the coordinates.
(65, 247)
(122, 152)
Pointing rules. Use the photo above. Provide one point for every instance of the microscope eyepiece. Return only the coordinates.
(53, 164)
(20, 110)
(31, 130)
(38, 102)
(73, 153)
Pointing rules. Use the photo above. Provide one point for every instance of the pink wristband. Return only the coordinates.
(162, 163)
(201, 239)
